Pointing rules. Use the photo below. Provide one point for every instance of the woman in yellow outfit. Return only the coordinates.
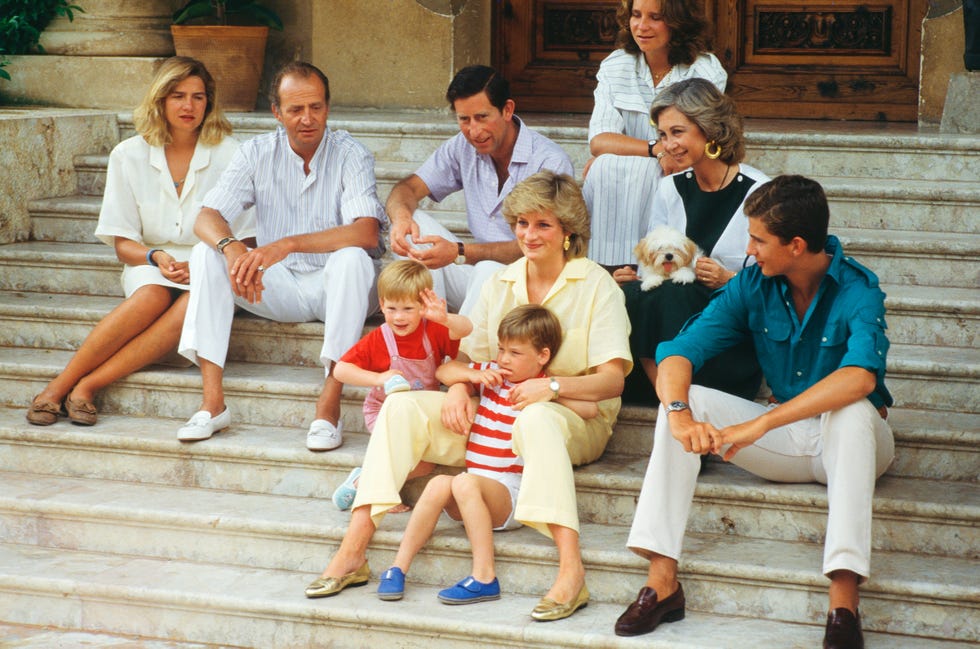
(551, 224)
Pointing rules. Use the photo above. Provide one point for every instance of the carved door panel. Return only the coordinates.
(838, 59)
(550, 50)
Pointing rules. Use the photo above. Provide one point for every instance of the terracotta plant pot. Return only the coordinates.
(233, 55)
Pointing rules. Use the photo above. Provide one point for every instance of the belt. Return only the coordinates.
(883, 410)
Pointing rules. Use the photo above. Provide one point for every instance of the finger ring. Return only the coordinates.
(261, 269)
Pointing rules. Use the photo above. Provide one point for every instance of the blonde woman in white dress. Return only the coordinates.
(154, 186)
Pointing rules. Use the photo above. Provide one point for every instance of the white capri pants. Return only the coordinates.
(458, 284)
(341, 295)
(846, 449)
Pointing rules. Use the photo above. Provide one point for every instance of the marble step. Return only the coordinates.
(294, 534)
(264, 608)
(916, 315)
(926, 516)
(935, 443)
(872, 203)
(17, 636)
(814, 148)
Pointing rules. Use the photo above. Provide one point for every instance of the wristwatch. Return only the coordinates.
(223, 243)
(460, 253)
(553, 384)
(676, 406)
(650, 145)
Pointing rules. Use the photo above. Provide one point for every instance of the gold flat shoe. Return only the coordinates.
(330, 586)
(549, 610)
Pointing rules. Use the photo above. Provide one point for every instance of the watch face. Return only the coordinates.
(676, 405)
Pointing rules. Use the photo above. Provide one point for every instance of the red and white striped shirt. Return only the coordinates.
(489, 450)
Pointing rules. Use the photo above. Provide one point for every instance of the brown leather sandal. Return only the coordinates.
(81, 412)
(43, 413)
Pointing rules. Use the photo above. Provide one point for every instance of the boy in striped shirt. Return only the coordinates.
(483, 497)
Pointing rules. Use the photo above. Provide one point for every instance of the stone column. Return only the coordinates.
(113, 28)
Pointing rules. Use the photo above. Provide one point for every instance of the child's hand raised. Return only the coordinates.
(488, 378)
(434, 308)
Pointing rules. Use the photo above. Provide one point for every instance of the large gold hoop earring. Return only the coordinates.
(713, 155)
(567, 243)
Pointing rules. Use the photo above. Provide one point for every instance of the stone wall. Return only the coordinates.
(943, 41)
(398, 53)
(37, 158)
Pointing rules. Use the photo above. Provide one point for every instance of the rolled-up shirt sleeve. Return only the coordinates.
(120, 214)
(605, 117)
(867, 344)
(360, 196)
(235, 191)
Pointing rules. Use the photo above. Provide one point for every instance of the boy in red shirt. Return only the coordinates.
(404, 352)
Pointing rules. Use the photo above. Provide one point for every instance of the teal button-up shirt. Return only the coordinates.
(843, 327)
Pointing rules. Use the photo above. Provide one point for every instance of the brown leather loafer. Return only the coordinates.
(843, 630)
(81, 412)
(43, 413)
(646, 613)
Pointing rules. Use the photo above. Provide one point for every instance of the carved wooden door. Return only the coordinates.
(837, 59)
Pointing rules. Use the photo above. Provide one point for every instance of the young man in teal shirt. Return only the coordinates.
(817, 319)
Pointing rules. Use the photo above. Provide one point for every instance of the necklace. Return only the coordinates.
(657, 78)
(728, 168)
(177, 183)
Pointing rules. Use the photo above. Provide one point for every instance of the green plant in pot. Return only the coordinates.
(233, 54)
(220, 10)
(21, 24)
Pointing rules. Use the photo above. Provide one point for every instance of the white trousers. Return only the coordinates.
(341, 295)
(618, 193)
(845, 449)
(458, 284)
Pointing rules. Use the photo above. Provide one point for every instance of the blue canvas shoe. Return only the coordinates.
(343, 496)
(470, 591)
(392, 585)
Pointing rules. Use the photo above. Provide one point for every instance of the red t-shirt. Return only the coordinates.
(371, 354)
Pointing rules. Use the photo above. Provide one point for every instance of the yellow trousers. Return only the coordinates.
(549, 437)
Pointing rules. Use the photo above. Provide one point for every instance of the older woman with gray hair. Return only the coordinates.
(551, 224)
(702, 132)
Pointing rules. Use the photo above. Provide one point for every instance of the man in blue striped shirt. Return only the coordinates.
(318, 229)
(817, 319)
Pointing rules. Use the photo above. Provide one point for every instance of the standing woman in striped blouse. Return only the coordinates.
(660, 42)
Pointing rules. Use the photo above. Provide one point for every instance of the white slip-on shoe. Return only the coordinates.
(324, 436)
(202, 425)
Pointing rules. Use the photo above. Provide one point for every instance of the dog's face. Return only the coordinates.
(665, 250)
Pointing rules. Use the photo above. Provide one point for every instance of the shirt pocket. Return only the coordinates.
(835, 334)
(771, 336)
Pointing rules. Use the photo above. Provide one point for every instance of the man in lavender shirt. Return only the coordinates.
(493, 151)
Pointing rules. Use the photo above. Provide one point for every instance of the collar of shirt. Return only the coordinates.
(200, 160)
(516, 274)
(832, 248)
(297, 158)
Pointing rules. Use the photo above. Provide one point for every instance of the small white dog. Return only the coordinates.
(665, 253)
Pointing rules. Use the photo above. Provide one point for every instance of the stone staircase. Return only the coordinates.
(118, 530)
